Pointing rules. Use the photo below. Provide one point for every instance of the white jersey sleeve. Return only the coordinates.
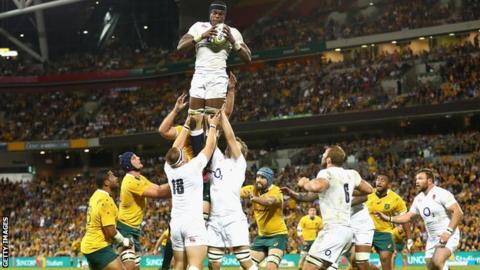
(447, 198)
(217, 157)
(237, 35)
(199, 162)
(357, 179)
(195, 29)
(324, 175)
(414, 207)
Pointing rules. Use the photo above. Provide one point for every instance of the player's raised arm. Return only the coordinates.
(182, 137)
(188, 41)
(234, 147)
(317, 185)
(167, 128)
(158, 191)
(235, 38)
(299, 196)
(213, 121)
(230, 99)
(364, 188)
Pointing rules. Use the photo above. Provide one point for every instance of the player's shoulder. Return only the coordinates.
(199, 24)
(247, 187)
(393, 195)
(274, 189)
(440, 190)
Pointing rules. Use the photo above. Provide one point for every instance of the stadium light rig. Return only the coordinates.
(421, 38)
(394, 42)
(338, 49)
(86, 150)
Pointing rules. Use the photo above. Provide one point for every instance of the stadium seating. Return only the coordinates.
(46, 221)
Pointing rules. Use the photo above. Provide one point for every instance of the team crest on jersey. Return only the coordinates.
(218, 174)
(386, 206)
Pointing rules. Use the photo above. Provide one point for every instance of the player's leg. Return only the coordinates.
(277, 247)
(362, 256)
(195, 256)
(180, 261)
(243, 255)
(404, 258)
(215, 255)
(384, 245)
(114, 265)
(72, 256)
(105, 258)
(303, 254)
(167, 255)
(440, 257)
(259, 250)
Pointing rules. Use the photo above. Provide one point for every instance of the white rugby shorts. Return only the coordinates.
(209, 85)
(187, 233)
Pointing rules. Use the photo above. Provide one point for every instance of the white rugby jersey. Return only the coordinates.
(210, 56)
(335, 202)
(433, 209)
(186, 187)
(227, 177)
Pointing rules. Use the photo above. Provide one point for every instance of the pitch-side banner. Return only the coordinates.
(289, 260)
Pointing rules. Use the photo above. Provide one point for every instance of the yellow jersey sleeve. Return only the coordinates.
(187, 147)
(137, 186)
(108, 213)
(245, 190)
(400, 206)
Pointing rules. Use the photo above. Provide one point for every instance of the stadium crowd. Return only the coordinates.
(41, 213)
(268, 33)
(306, 86)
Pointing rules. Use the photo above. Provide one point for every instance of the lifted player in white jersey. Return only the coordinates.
(209, 83)
(441, 214)
(228, 226)
(188, 232)
(335, 186)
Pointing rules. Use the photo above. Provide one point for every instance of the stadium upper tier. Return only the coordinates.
(303, 86)
(269, 26)
(45, 221)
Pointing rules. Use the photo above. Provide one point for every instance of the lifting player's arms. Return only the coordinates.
(134, 191)
(267, 203)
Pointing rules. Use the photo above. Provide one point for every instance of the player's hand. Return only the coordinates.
(180, 104)
(209, 33)
(214, 119)
(410, 245)
(127, 243)
(232, 81)
(303, 181)
(382, 216)
(287, 190)
(228, 34)
(444, 238)
(155, 251)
